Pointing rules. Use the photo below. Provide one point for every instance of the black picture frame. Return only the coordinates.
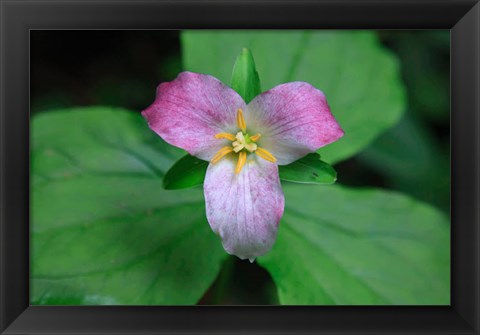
(18, 17)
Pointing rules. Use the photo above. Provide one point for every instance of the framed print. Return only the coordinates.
(231, 167)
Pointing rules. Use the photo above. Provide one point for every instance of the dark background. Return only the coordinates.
(123, 68)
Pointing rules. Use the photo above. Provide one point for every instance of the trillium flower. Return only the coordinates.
(244, 144)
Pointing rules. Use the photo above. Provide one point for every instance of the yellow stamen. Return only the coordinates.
(242, 144)
(265, 155)
(226, 136)
(241, 121)
(222, 152)
(255, 138)
(242, 159)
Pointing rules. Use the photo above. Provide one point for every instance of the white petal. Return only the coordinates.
(244, 209)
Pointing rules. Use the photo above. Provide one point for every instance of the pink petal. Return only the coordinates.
(191, 109)
(294, 120)
(245, 208)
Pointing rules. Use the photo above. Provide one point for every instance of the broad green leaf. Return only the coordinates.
(359, 247)
(245, 80)
(103, 229)
(187, 172)
(310, 170)
(358, 76)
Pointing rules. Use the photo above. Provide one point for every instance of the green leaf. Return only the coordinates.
(245, 80)
(358, 76)
(103, 229)
(187, 172)
(359, 247)
(190, 171)
(309, 169)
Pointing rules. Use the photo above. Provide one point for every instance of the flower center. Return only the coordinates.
(242, 143)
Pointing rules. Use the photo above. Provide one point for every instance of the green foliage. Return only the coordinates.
(190, 172)
(359, 247)
(412, 162)
(245, 80)
(425, 55)
(360, 79)
(105, 232)
(103, 229)
(309, 170)
(414, 155)
(187, 172)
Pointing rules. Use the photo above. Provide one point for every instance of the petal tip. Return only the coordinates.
(242, 253)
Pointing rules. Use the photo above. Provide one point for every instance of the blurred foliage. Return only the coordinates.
(414, 156)
(79, 185)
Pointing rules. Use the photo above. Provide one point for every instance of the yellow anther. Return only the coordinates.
(237, 148)
(222, 152)
(242, 159)
(226, 136)
(251, 147)
(265, 155)
(241, 121)
(240, 137)
(239, 144)
(255, 138)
